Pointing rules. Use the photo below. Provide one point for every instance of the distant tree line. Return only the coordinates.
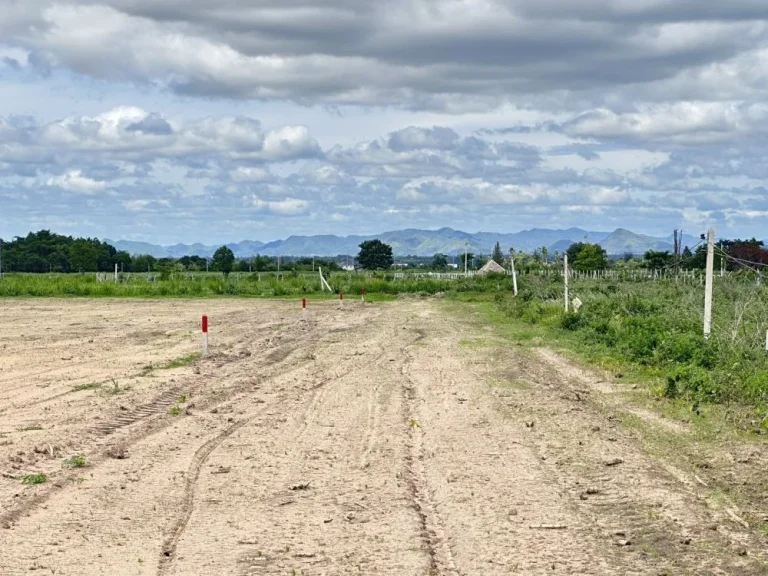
(45, 251)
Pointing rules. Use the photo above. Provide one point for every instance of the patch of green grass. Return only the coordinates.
(31, 428)
(182, 399)
(89, 386)
(181, 362)
(76, 462)
(175, 411)
(34, 479)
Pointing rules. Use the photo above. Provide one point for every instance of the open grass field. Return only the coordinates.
(412, 437)
(261, 285)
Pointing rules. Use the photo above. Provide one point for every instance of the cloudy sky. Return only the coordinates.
(202, 120)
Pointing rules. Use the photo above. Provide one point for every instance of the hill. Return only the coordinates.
(418, 242)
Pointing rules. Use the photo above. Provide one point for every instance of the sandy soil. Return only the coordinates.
(379, 439)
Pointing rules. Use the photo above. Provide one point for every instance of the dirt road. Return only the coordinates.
(394, 439)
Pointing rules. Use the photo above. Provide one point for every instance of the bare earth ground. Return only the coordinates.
(397, 438)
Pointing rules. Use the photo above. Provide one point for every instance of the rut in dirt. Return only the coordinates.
(431, 527)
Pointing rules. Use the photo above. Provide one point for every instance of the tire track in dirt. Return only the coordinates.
(141, 417)
(431, 526)
(638, 505)
(318, 392)
(168, 549)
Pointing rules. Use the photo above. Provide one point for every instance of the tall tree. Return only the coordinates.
(498, 255)
(573, 251)
(591, 257)
(224, 260)
(440, 262)
(375, 255)
(657, 259)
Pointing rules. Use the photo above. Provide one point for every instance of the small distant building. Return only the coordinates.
(348, 267)
(491, 267)
(452, 265)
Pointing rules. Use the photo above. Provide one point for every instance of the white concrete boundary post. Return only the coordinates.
(565, 279)
(708, 286)
(514, 276)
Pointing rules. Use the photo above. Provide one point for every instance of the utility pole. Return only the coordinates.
(1, 259)
(708, 287)
(466, 251)
(677, 252)
(565, 278)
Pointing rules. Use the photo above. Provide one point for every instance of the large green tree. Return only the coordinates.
(440, 262)
(589, 257)
(375, 255)
(498, 255)
(655, 259)
(573, 252)
(224, 260)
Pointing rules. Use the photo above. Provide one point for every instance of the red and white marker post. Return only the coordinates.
(362, 297)
(341, 301)
(205, 335)
(304, 307)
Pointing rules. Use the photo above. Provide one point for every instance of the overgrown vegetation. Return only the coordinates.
(658, 326)
(266, 285)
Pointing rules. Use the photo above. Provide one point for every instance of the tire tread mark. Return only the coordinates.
(202, 454)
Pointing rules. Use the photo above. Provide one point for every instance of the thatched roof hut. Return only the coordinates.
(491, 267)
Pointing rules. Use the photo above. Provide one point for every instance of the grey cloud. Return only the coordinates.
(442, 55)
(412, 138)
(152, 124)
(11, 63)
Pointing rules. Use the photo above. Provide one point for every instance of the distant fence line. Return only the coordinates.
(693, 276)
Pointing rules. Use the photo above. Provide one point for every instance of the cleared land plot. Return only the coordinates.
(399, 438)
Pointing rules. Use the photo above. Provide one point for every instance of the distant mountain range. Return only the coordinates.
(420, 243)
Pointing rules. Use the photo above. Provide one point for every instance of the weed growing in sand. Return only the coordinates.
(175, 411)
(31, 428)
(182, 399)
(76, 462)
(89, 386)
(33, 479)
(115, 389)
(413, 424)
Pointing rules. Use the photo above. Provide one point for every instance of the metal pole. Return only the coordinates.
(466, 249)
(708, 287)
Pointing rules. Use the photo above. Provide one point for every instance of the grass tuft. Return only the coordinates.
(34, 479)
(76, 462)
